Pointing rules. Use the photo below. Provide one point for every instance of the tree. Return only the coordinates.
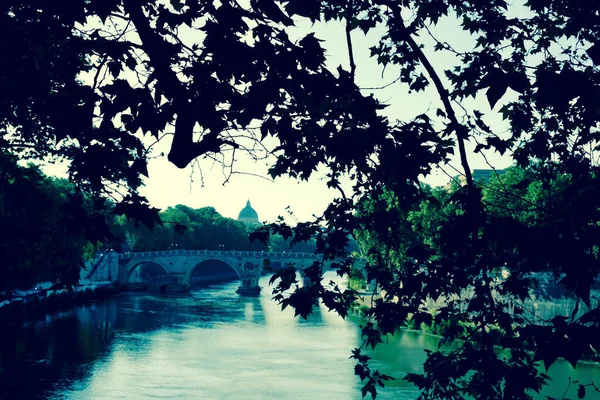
(44, 228)
(184, 228)
(229, 75)
(278, 244)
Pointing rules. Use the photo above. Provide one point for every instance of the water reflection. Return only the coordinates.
(60, 348)
(210, 344)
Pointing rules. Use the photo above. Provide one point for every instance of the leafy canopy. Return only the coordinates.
(85, 79)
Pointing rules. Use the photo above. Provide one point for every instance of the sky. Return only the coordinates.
(169, 185)
(206, 183)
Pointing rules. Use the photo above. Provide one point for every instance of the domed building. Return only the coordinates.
(248, 215)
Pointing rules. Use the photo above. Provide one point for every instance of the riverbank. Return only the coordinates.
(36, 306)
(366, 299)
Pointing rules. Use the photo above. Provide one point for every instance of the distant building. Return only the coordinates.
(248, 215)
(479, 175)
(485, 175)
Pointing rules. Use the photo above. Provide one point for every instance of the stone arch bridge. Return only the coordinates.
(179, 264)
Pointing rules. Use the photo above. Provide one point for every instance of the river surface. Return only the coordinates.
(210, 344)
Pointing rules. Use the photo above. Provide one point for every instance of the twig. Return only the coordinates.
(381, 87)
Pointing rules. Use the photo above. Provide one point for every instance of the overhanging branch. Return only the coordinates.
(187, 107)
(457, 127)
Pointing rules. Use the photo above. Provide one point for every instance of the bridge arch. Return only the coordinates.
(180, 265)
(126, 270)
(136, 265)
(217, 269)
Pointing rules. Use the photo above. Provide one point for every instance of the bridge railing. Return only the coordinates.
(217, 253)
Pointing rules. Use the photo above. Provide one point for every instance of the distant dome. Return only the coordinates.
(248, 215)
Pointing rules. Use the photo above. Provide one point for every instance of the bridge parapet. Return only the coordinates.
(217, 253)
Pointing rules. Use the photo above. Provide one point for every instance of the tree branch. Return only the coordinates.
(349, 15)
(457, 127)
(187, 107)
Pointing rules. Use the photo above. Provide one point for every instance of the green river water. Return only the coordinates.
(210, 344)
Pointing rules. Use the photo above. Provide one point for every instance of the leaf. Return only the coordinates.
(560, 321)
(501, 146)
(495, 92)
(140, 166)
(481, 146)
(416, 379)
(591, 316)
(366, 24)
(312, 45)
(126, 118)
(131, 63)
(269, 127)
(261, 235)
(361, 371)
(518, 82)
(305, 8)
(422, 318)
(497, 81)
(103, 8)
(487, 79)
(594, 53)
(114, 67)
(557, 346)
(177, 4)
(271, 10)
(301, 301)
(139, 212)
(581, 392)
(371, 335)
(357, 355)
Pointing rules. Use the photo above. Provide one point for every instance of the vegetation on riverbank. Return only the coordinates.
(36, 306)
(50, 229)
(194, 229)
(47, 227)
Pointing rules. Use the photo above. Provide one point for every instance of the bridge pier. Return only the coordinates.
(249, 286)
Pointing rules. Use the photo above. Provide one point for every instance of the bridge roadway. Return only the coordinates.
(179, 264)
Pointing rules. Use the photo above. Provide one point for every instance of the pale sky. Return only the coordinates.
(168, 185)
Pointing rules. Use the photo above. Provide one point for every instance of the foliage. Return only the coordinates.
(218, 75)
(50, 229)
(184, 228)
(278, 244)
(44, 225)
(357, 280)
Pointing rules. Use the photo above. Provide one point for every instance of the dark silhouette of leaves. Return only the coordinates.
(594, 53)
(86, 93)
(305, 8)
(496, 91)
(580, 392)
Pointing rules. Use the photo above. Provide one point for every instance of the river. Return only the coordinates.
(210, 344)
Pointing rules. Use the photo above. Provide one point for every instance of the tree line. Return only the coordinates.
(183, 227)
(45, 230)
(50, 229)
